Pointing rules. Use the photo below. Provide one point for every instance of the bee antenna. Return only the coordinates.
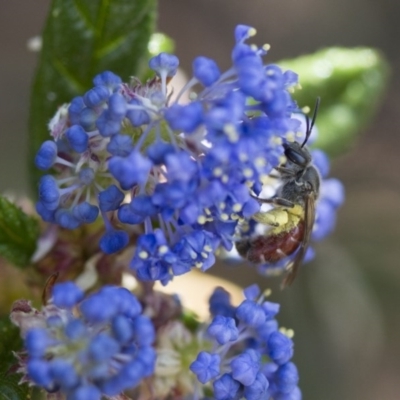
(309, 126)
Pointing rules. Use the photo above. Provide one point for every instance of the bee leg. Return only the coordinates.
(285, 171)
(277, 201)
(280, 201)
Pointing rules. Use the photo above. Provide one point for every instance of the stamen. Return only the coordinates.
(61, 161)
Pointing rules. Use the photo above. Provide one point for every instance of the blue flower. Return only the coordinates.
(107, 78)
(250, 313)
(206, 70)
(96, 96)
(245, 367)
(77, 138)
(280, 348)
(130, 170)
(92, 350)
(46, 155)
(110, 199)
(226, 388)
(223, 329)
(185, 118)
(258, 389)
(153, 258)
(164, 64)
(220, 303)
(131, 154)
(206, 366)
(49, 194)
(67, 294)
(113, 241)
(254, 355)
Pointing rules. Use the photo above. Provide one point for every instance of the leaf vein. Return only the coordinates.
(84, 16)
(75, 85)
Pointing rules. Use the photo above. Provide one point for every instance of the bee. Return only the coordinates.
(293, 215)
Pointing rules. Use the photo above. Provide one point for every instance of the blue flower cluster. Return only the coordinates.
(251, 357)
(89, 347)
(182, 171)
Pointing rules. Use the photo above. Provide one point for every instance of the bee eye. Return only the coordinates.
(295, 157)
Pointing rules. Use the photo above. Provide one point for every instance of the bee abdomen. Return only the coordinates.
(271, 248)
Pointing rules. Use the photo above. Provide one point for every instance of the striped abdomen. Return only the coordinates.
(273, 247)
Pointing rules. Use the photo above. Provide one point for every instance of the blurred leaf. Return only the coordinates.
(81, 39)
(10, 341)
(350, 82)
(160, 42)
(18, 233)
(191, 320)
(10, 389)
(332, 308)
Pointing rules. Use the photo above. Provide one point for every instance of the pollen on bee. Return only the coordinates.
(265, 179)
(143, 255)
(245, 228)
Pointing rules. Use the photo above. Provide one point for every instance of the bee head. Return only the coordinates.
(297, 155)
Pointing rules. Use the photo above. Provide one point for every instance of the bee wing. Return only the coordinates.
(309, 219)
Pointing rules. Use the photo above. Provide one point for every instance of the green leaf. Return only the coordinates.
(10, 389)
(18, 233)
(350, 82)
(82, 38)
(10, 341)
(159, 42)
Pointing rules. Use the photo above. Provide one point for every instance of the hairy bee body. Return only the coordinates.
(283, 239)
(272, 248)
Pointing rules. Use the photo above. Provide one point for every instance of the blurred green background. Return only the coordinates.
(344, 306)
